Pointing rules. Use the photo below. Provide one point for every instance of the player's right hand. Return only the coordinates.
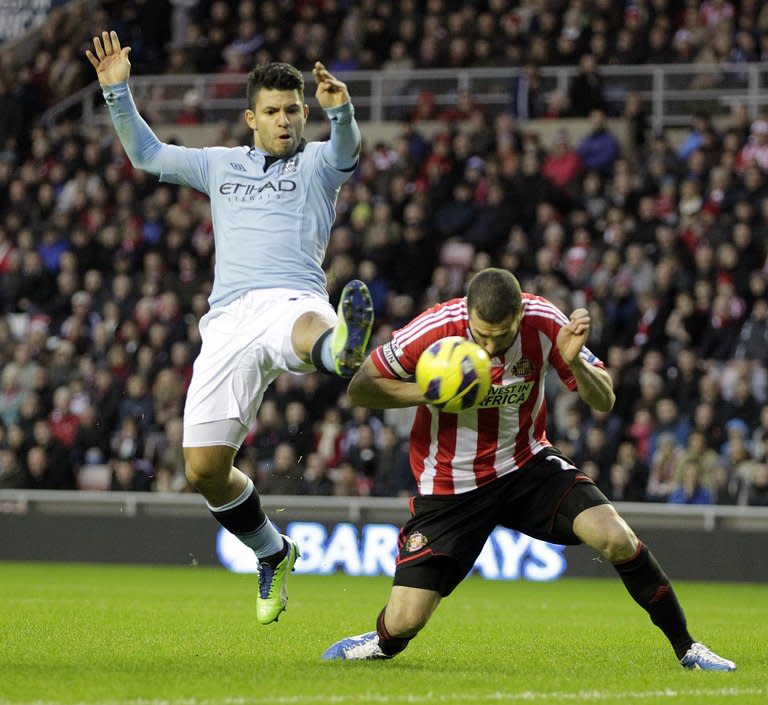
(111, 61)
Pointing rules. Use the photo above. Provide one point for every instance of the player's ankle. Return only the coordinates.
(389, 644)
(322, 355)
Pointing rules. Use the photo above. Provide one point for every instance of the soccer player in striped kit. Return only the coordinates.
(272, 207)
(493, 465)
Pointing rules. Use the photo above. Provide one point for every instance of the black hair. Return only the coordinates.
(494, 295)
(276, 75)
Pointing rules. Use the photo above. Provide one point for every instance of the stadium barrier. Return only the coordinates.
(547, 131)
(673, 92)
(356, 535)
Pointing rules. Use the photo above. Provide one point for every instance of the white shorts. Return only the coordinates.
(245, 346)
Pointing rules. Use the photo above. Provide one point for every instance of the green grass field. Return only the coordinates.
(188, 636)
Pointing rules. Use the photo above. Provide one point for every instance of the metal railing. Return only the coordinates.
(672, 93)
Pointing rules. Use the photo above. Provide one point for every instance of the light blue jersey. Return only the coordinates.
(271, 225)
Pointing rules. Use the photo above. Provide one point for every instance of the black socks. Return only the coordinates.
(316, 354)
(650, 588)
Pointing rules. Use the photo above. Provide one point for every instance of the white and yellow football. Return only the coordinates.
(454, 374)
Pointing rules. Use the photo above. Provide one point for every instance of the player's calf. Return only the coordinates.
(389, 645)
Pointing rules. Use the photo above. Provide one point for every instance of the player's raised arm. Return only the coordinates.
(172, 163)
(333, 96)
(594, 384)
(110, 59)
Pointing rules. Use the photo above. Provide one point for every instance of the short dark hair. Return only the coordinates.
(494, 295)
(276, 75)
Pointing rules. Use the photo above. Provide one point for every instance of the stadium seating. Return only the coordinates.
(104, 274)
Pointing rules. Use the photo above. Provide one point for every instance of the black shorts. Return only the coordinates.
(439, 544)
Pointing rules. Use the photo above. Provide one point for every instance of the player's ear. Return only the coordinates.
(250, 118)
(306, 111)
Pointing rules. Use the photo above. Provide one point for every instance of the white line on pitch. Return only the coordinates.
(499, 697)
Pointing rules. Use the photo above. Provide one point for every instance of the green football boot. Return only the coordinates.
(349, 341)
(273, 594)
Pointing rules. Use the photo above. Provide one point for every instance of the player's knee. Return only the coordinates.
(619, 542)
(201, 469)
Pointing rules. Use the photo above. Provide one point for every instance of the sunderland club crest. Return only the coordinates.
(415, 541)
(523, 368)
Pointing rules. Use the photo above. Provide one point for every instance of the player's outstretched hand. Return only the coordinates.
(330, 91)
(573, 336)
(111, 61)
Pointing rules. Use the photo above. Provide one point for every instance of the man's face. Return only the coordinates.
(277, 120)
(495, 338)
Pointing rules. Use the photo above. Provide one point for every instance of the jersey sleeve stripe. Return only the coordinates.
(430, 321)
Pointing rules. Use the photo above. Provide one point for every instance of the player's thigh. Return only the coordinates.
(602, 528)
(409, 609)
(246, 345)
(544, 496)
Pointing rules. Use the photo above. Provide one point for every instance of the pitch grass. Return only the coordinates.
(188, 636)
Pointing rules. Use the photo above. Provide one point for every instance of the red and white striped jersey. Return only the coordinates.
(455, 453)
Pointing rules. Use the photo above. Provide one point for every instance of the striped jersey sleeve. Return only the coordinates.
(397, 358)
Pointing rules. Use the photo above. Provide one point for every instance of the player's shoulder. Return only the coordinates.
(539, 310)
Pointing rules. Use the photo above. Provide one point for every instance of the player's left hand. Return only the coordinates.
(330, 91)
(573, 336)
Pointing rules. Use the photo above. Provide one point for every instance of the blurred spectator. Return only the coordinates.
(137, 403)
(170, 458)
(11, 471)
(11, 396)
(127, 442)
(599, 149)
(662, 478)
(126, 477)
(701, 124)
(757, 491)
(285, 477)
(526, 99)
(755, 152)
(726, 487)
(753, 337)
(297, 430)
(690, 490)
(632, 481)
(586, 91)
(696, 448)
(618, 486)
(562, 164)
(362, 452)
(347, 482)
(316, 477)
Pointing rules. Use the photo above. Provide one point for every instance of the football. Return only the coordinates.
(454, 374)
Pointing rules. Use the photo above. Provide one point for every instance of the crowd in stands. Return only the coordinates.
(104, 272)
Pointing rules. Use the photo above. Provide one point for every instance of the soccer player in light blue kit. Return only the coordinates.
(272, 205)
